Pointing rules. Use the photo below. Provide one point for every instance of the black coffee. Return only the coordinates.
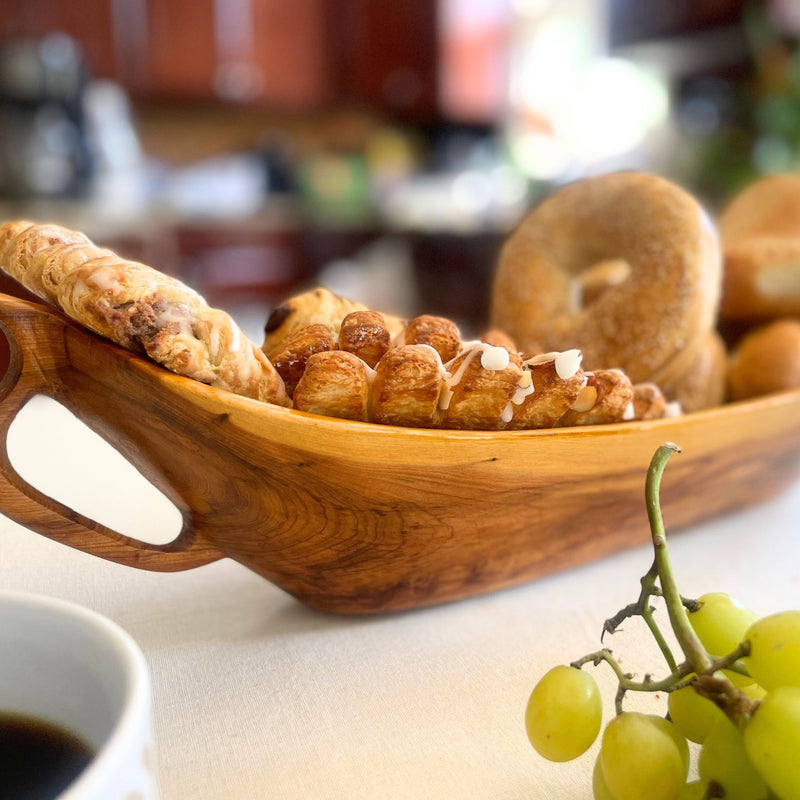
(37, 760)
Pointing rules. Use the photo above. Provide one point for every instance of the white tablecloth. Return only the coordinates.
(256, 696)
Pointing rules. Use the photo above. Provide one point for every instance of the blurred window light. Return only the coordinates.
(571, 105)
(474, 39)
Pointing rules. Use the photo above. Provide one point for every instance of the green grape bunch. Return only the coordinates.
(734, 692)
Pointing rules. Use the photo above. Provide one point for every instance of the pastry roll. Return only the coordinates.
(547, 389)
(364, 333)
(407, 385)
(440, 333)
(139, 308)
(318, 306)
(482, 381)
(290, 361)
(334, 384)
(607, 397)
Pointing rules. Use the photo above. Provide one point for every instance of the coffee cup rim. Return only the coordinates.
(137, 692)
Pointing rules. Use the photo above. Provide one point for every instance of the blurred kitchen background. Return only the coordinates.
(384, 148)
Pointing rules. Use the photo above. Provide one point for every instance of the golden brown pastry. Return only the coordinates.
(625, 267)
(364, 333)
(548, 390)
(290, 360)
(609, 396)
(485, 385)
(139, 308)
(440, 333)
(766, 360)
(481, 384)
(316, 306)
(700, 383)
(407, 387)
(649, 402)
(335, 384)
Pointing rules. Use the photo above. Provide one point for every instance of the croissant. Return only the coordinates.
(139, 308)
(353, 366)
(317, 306)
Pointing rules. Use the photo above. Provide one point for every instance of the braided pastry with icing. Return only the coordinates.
(137, 307)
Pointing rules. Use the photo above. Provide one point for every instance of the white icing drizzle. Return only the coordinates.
(105, 278)
(445, 396)
(236, 338)
(443, 373)
(454, 378)
(213, 340)
(520, 393)
(493, 359)
(177, 313)
(79, 290)
(567, 362)
(524, 389)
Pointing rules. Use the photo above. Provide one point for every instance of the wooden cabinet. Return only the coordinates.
(392, 56)
(262, 52)
(271, 53)
(388, 54)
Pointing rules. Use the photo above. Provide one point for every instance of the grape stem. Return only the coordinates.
(625, 679)
(690, 644)
(643, 609)
(736, 705)
(699, 666)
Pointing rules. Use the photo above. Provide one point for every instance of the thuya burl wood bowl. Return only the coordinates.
(352, 517)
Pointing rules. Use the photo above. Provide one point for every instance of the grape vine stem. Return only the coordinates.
(690, 644)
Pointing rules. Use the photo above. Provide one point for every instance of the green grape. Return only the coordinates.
(600, 790)
(641, 756)
(564, 713)
(774, 658)
(723, 760)
(678, 738)
(693, 714)
(772, 741)
(721, 623)
(695, 790)
(754, 691)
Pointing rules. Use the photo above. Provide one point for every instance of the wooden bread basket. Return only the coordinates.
(353, 517)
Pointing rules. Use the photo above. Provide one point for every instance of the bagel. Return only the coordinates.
(701, 384)
(625, 267)
(762, 279)
(767, 207)
(760, 232)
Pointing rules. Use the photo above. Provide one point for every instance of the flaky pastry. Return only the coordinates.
(137, 307)
(429, 378)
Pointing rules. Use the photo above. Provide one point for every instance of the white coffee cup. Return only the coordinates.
(74, 668)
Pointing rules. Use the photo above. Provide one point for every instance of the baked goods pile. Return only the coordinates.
(605, 308)
(343, 360)
(760, 305)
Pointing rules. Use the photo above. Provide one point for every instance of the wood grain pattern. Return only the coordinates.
(356, 518)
